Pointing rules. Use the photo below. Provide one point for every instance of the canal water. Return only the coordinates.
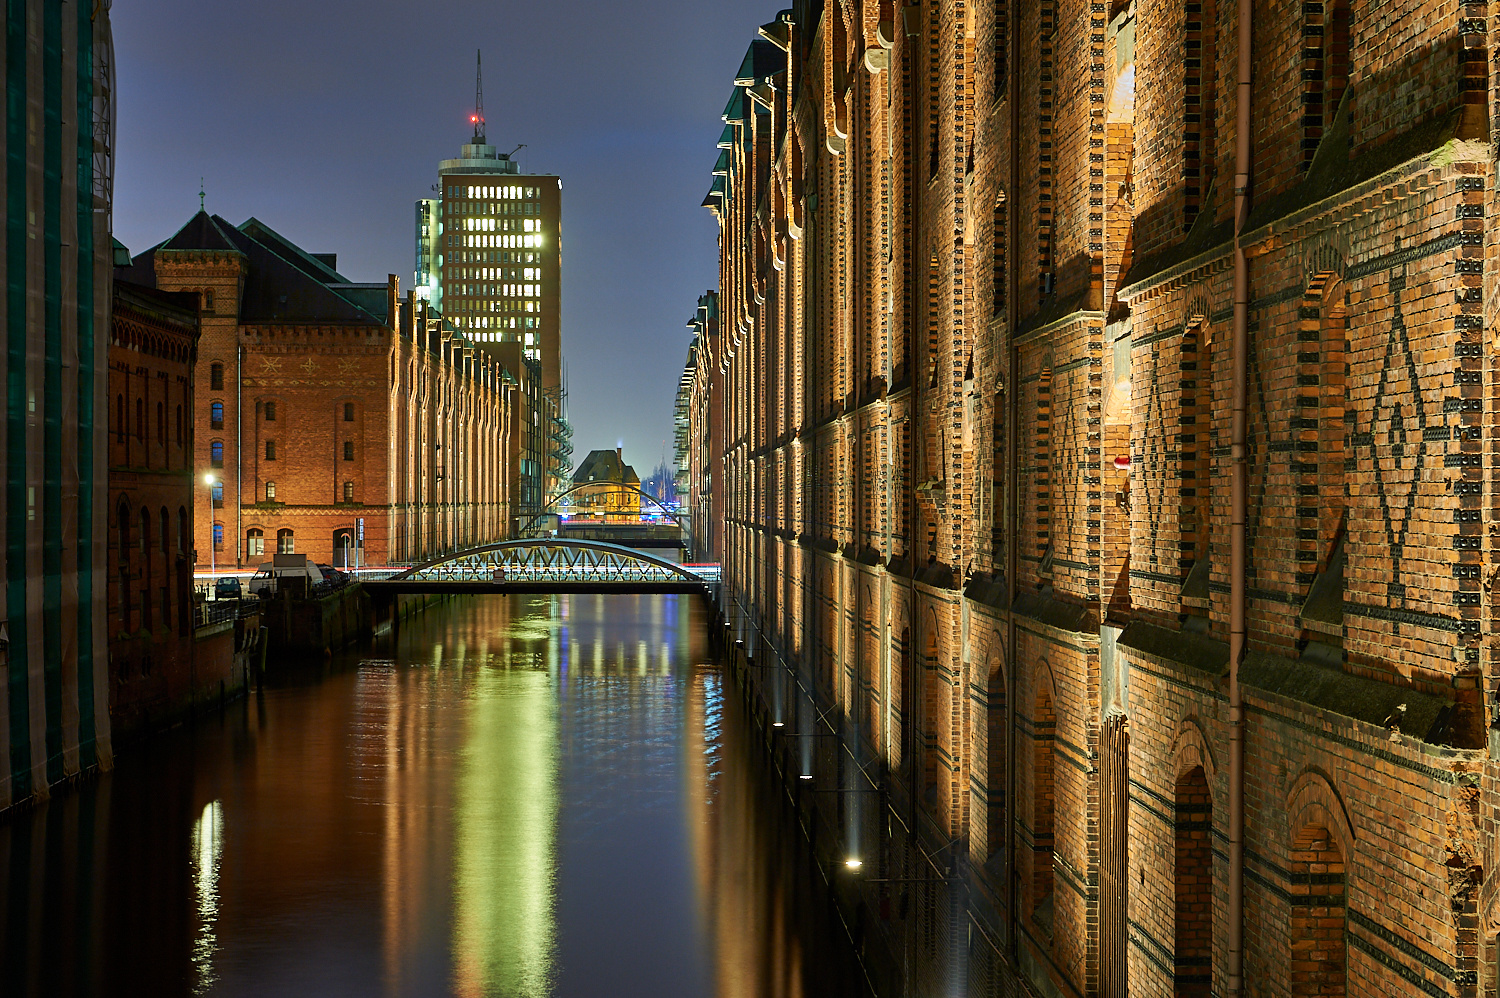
(513, 796)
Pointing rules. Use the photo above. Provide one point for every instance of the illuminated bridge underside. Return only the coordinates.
(548, 566)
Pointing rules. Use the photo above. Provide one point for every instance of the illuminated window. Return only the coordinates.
(218, 537)
(348, 492)
(218, 494)
(270, 492)
(216, 415)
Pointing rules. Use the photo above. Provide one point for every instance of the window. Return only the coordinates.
(348, 412)
(218, 537)
(216, 415)
(145, 530)
(348, 492)
(218, 495)
(255, 543)
(216, 453)
(161, 422)
(285, 544)
(166, 531)
(270, 492)
(208, 299)
(270, 412)
(216, 377)
(120, 418)
(140, 419)
(182, 530)
(348, 450)
(270, 450)
(123, 517)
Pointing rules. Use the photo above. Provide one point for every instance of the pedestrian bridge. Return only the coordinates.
(546, 565)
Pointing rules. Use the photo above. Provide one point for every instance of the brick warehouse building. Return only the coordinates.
(1103, 391)
(153, 347)
(324, 407)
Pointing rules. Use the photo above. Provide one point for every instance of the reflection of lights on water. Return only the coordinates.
(208, 847)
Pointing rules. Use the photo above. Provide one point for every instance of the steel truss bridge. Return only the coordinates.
(547, 565)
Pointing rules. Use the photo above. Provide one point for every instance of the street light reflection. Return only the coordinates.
(207, 850)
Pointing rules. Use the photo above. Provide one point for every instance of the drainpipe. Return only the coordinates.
(1237, 492)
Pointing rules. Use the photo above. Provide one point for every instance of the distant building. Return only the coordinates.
(341, 421)
(55, 297)
(489, 254)
(608, 488)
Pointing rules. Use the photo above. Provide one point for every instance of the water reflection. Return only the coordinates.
(519, 797)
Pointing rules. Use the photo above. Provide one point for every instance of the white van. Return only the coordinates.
(284, 566)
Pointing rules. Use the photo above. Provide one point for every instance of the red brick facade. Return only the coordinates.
(324, 406)
(974, 367)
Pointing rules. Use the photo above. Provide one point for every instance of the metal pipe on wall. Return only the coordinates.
(1238, 491)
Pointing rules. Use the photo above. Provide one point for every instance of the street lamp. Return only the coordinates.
(210, 481)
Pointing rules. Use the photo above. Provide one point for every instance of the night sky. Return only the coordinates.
(326, 120)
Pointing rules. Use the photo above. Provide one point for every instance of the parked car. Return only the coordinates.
(268, 579)
(228, 588)
(333, 576)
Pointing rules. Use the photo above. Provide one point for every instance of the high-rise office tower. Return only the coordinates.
(489, 254)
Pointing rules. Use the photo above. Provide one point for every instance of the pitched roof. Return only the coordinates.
(202, 232)
(604, 466)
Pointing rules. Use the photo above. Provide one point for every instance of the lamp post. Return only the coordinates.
(210, 481)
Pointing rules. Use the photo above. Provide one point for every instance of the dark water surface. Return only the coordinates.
(519, 795)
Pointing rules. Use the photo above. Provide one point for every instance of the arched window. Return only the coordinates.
(182, 530)
(218, 494)
(1044, 725)
(120, 418)
(270, 492)
(216, 454)
(216, 415)
(140, 419)
(285, 543)
(255, 543)
(216, 377)
(145, 530)
(348, 492)
(218, 536)
(1193, 887)
(123, 520)
(166, 532)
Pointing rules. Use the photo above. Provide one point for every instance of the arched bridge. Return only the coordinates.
(547, 565)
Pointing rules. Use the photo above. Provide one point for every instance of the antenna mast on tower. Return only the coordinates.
(479, 138)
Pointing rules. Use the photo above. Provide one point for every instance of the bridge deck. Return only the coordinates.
(478, 587)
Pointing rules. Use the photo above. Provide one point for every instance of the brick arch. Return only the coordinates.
(1200, 307)
(1314, 800)
(1322, 260)
(1190, 748)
